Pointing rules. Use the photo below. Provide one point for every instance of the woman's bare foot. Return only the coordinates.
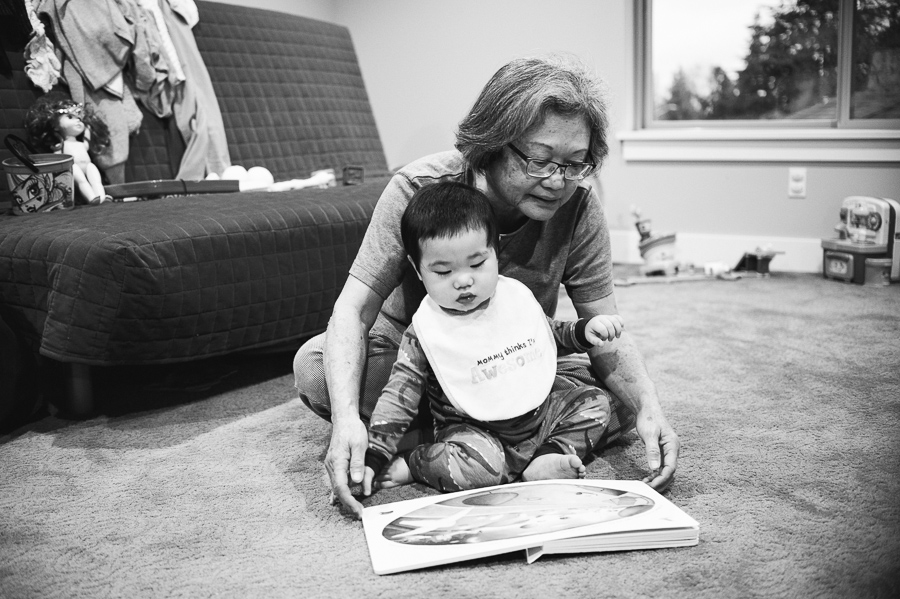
(554, 465)
(397, 473)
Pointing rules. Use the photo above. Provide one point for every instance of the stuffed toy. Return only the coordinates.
(57, 124)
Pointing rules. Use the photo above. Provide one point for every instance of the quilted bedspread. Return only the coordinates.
(183, 277)
(189, 277)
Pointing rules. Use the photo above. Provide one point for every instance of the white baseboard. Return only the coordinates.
(800, 254)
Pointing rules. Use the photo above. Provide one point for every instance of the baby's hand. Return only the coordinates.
(603, 328)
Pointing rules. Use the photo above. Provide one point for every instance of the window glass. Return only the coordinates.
(746, 59)
(876, 60)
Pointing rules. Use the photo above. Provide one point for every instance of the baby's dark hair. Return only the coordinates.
(443, 210)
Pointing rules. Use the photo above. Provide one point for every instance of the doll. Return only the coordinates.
(62, 126)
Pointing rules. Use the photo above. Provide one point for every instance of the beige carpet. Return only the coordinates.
(206, 481)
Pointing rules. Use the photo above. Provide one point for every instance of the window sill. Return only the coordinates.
(761, 145)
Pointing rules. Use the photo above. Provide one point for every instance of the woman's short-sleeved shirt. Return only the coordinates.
(572, 248)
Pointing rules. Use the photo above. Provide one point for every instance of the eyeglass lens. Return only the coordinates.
(543, 168)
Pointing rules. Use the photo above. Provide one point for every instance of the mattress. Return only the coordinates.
(180, 278)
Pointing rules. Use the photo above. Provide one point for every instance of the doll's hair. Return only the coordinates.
(42, 123)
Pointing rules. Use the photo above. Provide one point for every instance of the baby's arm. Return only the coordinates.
(583, 334)
(603, 327)
(397, 407)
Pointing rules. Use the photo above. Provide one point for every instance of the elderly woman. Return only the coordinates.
(530, 143)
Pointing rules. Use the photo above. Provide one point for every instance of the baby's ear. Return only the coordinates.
(415, 267)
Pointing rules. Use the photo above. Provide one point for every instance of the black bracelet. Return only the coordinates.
(580, 336)
(376, 461)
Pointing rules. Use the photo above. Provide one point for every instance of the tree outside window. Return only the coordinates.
(778, 61)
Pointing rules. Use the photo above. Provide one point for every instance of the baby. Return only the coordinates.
(484, 353)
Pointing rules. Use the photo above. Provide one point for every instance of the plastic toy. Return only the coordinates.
(657, 250)
(757, 261)
(258, 178)
(867, 248)
(62, 126)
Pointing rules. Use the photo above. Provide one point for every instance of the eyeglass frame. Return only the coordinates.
(528, 160)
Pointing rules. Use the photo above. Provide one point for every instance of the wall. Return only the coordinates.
(424, 62)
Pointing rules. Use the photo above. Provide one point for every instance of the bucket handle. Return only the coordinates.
(17, 146)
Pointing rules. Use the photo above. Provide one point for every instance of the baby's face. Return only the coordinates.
(459, 272)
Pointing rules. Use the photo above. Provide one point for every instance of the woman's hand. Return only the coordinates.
(621, 366)
(345, 355)
(662, 447)
(345, 461)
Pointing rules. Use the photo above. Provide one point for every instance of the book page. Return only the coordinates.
(441, 529)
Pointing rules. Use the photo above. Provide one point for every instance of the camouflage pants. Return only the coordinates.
(469, 455)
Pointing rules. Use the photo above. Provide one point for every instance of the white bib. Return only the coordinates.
(495, 363)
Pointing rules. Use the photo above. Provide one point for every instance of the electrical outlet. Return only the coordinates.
(797, 182)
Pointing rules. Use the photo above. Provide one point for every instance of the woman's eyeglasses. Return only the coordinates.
(540, 168)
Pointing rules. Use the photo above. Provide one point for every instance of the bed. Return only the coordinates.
(193, 276)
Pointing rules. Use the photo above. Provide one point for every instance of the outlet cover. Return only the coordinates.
(797, 182)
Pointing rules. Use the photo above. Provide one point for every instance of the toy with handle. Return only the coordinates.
(38, 182)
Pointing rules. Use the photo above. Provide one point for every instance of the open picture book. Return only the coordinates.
(541, 517)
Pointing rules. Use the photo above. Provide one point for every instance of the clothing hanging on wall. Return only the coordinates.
(154, 88)
(151, 42)
(41, 63)
(94, 35)
(121, 115)
(196, 109)
(97, 41)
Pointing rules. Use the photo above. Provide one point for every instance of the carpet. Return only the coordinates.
(206, 480)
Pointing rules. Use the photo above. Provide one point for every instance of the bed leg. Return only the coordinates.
(79, 394)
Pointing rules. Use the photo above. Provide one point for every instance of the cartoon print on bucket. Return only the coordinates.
(38, 182)
(43, 191)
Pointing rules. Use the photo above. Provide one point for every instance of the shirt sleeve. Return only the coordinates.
(398, 403)
(381, 260)
(588, 273)
(569, 336)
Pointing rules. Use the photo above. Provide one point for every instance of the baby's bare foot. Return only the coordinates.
(554, 465)
(397, 473)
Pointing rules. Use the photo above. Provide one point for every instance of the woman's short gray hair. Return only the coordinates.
(519, 96)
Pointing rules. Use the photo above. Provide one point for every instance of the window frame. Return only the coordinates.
(842, 140)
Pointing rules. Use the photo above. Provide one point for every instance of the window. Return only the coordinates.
(800, 71)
